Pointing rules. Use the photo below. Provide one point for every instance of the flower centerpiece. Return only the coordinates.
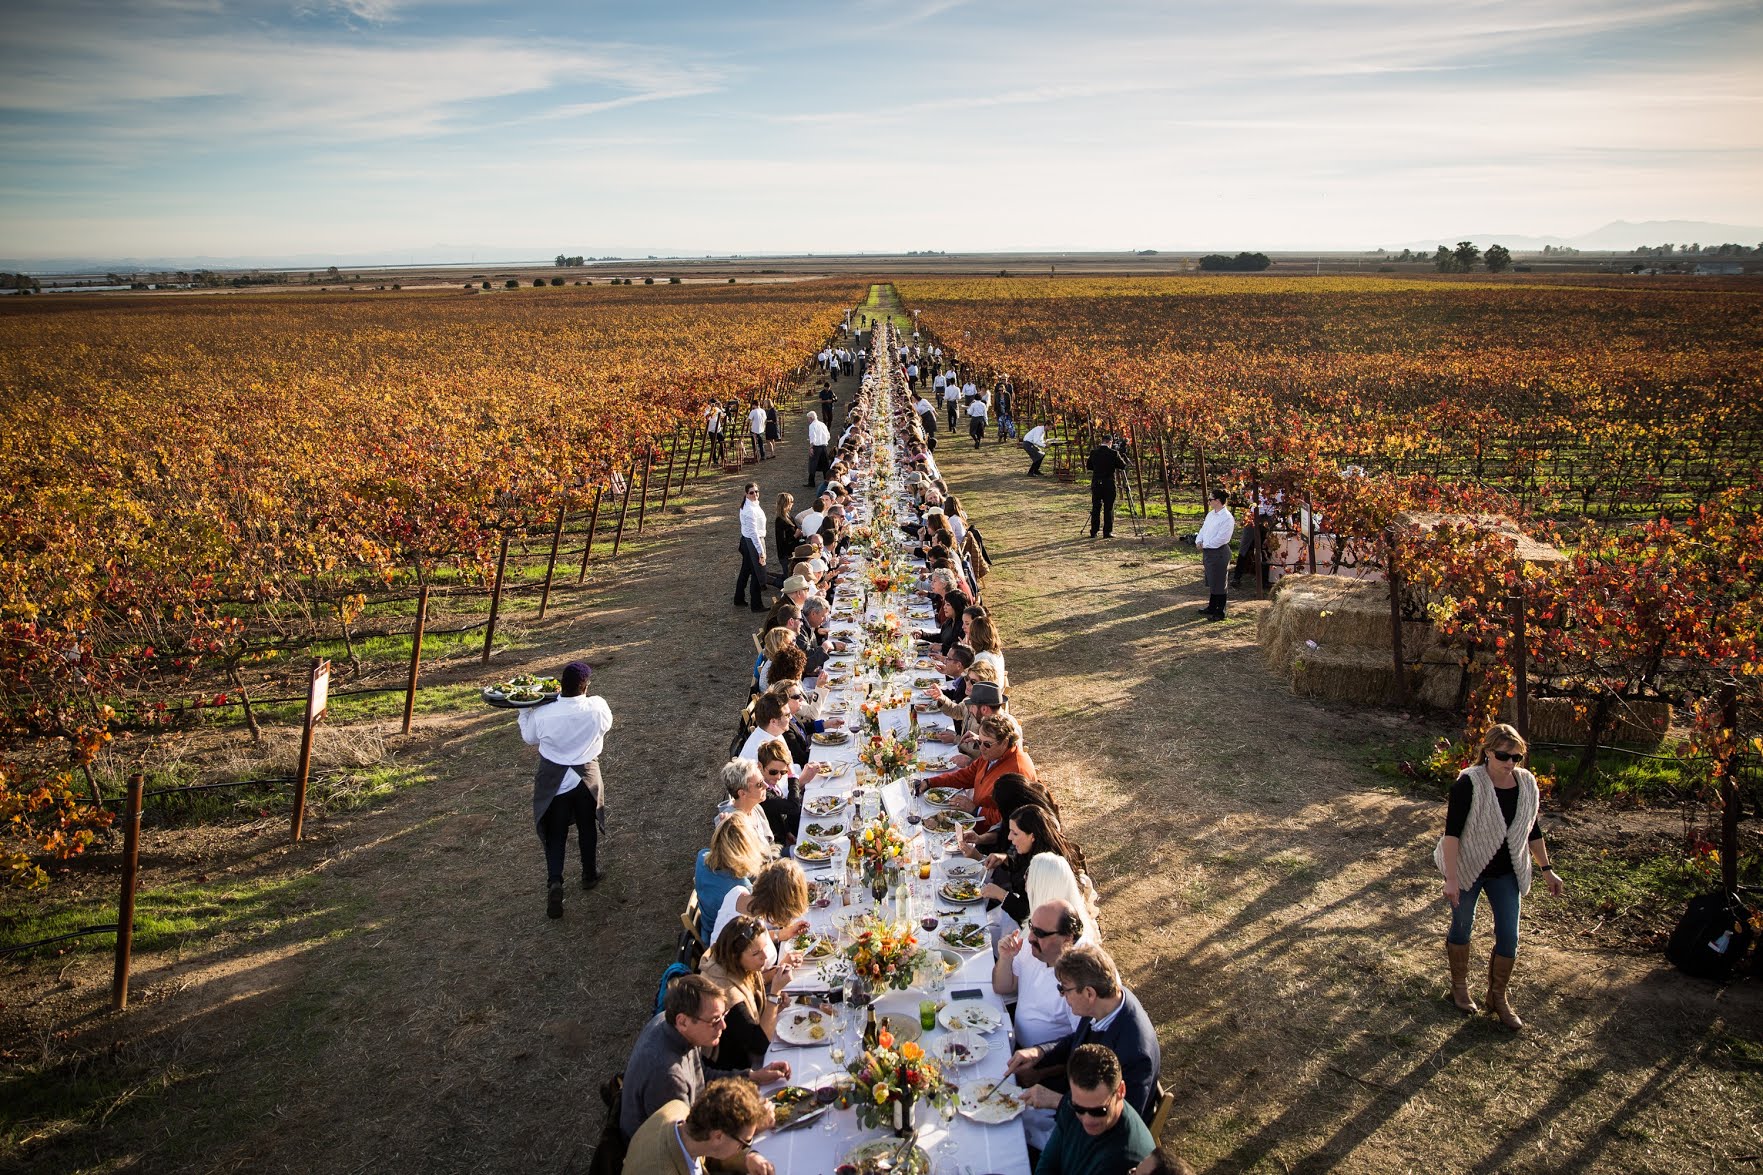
(888, 755)
(881, 852)
(885, 954)
(891, 1081)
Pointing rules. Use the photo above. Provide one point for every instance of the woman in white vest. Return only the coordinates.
(1491, 835)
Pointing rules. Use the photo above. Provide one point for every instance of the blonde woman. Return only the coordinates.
(732, 861)
(1051, 878)
(778, 897)
(982, 634)
(737, 963)
(1492, 845)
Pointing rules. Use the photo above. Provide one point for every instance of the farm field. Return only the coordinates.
(386, 994)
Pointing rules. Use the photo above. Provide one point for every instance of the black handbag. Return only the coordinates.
(1711, 938)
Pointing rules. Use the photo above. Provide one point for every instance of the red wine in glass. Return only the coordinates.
(929, 921)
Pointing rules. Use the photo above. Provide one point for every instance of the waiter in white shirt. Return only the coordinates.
(976, 420)
(752, 551)
(1034, 443)
(567, 788)
(819, 437)
(756, 426)
(952, 400)
(1214, 543)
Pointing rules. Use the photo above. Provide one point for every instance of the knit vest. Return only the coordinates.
(1486, 829)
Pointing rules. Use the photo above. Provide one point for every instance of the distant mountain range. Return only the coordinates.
(1618, 236)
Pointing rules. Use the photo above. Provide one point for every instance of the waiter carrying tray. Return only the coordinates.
(567, 788)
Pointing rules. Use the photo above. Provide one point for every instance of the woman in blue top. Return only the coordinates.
(734, 857)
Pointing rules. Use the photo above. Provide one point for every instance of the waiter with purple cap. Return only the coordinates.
(567, 788)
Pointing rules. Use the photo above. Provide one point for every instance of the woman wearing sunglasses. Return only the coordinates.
(1492, 837)
(741, 964)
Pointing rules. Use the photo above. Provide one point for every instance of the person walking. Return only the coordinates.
(756, 426)
(567, 787)
(752, 551)
(976, 420)
(1105, 464)
(1214, 543)
(713, 430)
(1034, 443)
(1004, 405)
(1492, 835)
(826, 404)
(952, 400)
(819, 437)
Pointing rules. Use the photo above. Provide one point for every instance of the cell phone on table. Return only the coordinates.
(970, 993)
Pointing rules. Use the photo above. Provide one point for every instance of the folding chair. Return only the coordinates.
(1160, 1117)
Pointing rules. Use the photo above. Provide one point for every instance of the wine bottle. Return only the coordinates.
(871, 1030)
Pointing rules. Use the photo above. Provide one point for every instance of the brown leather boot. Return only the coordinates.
(1499, 975)
(1459, 957)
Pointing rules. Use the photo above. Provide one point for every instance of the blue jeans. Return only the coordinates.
(1503, 900)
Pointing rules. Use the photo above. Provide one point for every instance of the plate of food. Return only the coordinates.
(923, 663)
(970, 1016)
(813, 850)
(924, 681)
(940, 796)
(963, 1048)
(804, 1026)
(963, 892)
(793, 1105)
(965, 937)
(822, 830)
(823, 805)
(832, 738)
(965, 870)
(526, 689)
(949, 820)
(951, 960)
(884, 1157)
(832, 770)
(814, 947)
(994, 1104)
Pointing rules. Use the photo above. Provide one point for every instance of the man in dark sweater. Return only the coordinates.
(665, 1064)
(1105, 464)
(1096, 1132)
(1109, 1015)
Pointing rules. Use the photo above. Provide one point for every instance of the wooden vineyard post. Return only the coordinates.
(551, 563)
(1163, 460)
(496, 597)
(1138, 464)
(1310, 525)
(685, 467)
(593, 524)
(125, 902)
(1394, 572)
(624, 506)
(643, 501)
(1205, 490)
(422, 616)
(667, 477)
(1520, 665)
(317, 694)
(1730, 800)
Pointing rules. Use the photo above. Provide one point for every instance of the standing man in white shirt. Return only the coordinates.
(1034, 443)
(567, 787)
(752, 551)
(976, 420)
(819, 437)
(756, 426)
(952, 399)
(1214, 543)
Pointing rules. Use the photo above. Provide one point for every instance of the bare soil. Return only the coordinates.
(392, 996)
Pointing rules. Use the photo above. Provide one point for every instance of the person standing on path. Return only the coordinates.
(1491, 834)
(1034, 443)
(756, 426)
(819, 437)
(1105, 464)
(827, 400)
(976, 420)
(713, 430)
(1004, 406)
(567, 788)
(952, 400)
(1214, 543)
(752, 551)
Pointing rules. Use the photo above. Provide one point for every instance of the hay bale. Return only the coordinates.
(1350, 676)
(1554, 720)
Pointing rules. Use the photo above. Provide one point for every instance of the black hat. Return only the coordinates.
(985, 693)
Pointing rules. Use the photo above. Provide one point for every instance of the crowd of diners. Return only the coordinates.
(1087, 1059)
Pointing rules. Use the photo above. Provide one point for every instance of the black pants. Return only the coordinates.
(976, 428)
(950, 406)
(784, 814)
(817, 461)
(752, 572)
(1102, 492)
(575, 806)
(716, 449)
(1036, 455)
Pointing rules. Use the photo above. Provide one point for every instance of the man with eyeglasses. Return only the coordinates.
(1096, 1131)
(667, 1064)
(1108, 1014)
(1042, 1015)
(719, 1125)
(752, 551)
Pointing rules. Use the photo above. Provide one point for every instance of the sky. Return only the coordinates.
(225, 128)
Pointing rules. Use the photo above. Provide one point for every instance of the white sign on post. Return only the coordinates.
(321, 688)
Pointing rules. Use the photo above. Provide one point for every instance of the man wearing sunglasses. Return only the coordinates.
(1095, 1131)
(719, 1125)
(1042, 1015)
(1108, 1014)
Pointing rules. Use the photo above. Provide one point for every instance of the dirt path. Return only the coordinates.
(397, 1000)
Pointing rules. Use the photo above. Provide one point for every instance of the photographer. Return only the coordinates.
(1105, 466)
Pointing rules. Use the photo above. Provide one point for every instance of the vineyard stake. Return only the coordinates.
(624, 506)
(667, 477)
(643, 502)
(317, 692)
(125, 903)
(1520, 665)
(593, 523)
(422, 615)
(685, 467)
(1730, 800)
(1163, 461)
(1138, 464)
(1310, 525)
(551, 563)
(496, 596)
(1200, 460)
(1395, 577)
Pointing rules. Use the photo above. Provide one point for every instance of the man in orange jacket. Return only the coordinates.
(1000, 753)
